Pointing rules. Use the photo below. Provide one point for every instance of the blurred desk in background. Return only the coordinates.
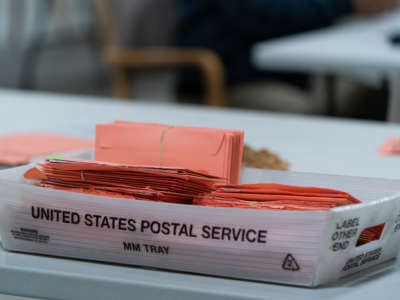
(360, 47)
(310, 144)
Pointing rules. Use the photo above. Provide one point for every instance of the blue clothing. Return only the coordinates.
(232, 27)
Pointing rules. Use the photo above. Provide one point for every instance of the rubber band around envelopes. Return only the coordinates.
(162, 137)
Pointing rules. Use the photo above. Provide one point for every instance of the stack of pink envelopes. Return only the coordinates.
(275, 196)
(216, 152)
(176, 185)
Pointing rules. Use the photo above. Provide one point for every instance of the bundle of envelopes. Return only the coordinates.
(177, 185)
(370, 234)
(216, 152)
(164, 184)
(275, 196)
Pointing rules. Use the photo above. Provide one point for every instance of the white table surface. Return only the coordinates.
(360, 45)
(359, 48)
(310, 144)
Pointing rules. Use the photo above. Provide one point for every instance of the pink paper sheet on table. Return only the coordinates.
(390, 147)
(21, 148)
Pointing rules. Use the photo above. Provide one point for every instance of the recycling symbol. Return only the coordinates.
(290, 263)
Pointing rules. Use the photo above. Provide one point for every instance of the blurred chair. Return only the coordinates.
(44, 18)
(119, 20)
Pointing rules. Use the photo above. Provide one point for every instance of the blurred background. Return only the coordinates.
(181, 52)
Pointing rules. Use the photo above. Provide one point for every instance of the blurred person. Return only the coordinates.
(232, 27)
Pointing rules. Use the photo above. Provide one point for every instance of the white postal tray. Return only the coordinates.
(299, 248)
